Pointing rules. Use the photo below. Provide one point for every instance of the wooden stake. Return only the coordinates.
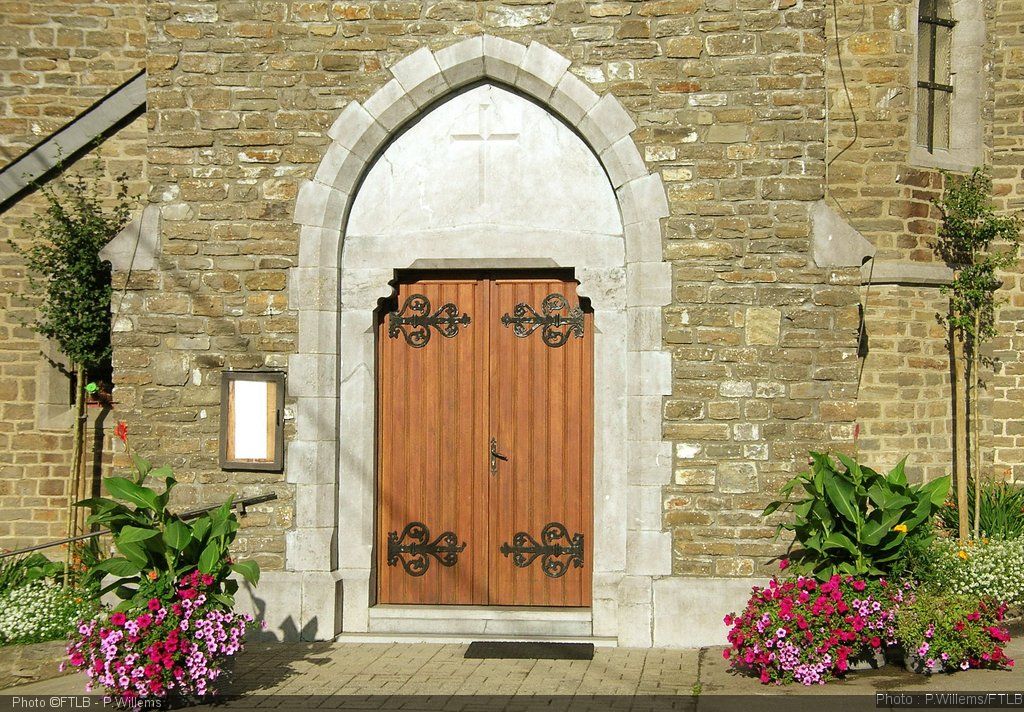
(960, 432)
(75, 477)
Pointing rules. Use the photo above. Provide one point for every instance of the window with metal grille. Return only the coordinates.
(934, 88)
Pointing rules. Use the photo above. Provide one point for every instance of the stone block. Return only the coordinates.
(356, 594)
(644, 412)
(605, 613)
(340, 169)
(649, 553)
(649, 283)
(635, 625)
(656, 372)
(688, 47)
(322, 598)
(318, 332)
(605, 288)
(319, 205)
(702, 603)
(643, 200)
(313, 289)
(462, 62)
(315, 503)
(572, 98)
(727, 133)
(312, 375)
(644, 508)
(502, 58)
(357, 130)
(643, 329)
(605, 123)
(310, 549)
(420, 76)
(362, 288)
(311, 462)
(762, 325)
(623, 162)
(737, 477)
(276, 601)
(644, 241)
(389, 106)
(316, 418)
(319, 246)
(137, 246)
(541, 70)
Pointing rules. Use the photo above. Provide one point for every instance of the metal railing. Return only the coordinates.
(241, 504)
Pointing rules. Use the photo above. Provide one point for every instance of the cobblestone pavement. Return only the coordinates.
(422, 676)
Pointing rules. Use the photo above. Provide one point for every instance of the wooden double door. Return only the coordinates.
(485, 443)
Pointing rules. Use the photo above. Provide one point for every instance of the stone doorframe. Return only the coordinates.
(331, 461)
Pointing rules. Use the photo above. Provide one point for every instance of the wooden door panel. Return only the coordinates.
(541, 417)
(432, 448)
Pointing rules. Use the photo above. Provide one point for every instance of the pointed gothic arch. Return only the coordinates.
(331, 459)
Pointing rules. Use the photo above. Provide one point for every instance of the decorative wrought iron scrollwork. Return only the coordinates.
(525, 549)
(414, 321)
(414, 541)
(557, 321)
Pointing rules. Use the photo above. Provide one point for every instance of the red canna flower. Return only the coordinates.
(121, 431)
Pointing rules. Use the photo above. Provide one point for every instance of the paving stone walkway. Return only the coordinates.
(421, 676)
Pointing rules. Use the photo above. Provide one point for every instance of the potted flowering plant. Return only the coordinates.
(173, 630)
(950, 632)
(810, 632)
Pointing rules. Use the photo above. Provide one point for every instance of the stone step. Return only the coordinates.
(465, 622)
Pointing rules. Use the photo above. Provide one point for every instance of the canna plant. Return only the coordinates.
(158, 548)
(854, 520)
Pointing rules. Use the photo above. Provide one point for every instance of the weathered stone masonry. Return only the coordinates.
(56, 59)
(728, 103)
(725, 102)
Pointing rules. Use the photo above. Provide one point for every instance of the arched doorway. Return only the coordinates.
(583, 203)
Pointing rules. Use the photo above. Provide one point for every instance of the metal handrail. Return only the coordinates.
(191, 514)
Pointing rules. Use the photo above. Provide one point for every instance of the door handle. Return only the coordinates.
(495, 456)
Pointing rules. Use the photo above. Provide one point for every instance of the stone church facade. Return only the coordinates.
(743, 204)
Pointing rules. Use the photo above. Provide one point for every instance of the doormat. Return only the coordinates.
(530, 650)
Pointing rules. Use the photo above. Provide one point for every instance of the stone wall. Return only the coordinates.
(35, 430)
(881, 192)
(57, 59)
(729, 101)
(904, 401)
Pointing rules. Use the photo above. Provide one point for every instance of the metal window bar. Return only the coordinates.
(929, 17)
(191, 514)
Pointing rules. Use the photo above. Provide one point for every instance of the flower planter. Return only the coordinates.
(915, 663)
(867, 659)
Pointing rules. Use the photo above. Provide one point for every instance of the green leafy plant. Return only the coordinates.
(1001, 511)
(157, 548)
(73, 283)
(952, 631)
(853, 520)
(16, 571)
(969, 230)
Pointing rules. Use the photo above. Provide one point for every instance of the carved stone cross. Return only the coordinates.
(483, 137)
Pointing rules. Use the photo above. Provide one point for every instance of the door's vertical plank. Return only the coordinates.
(586, 459)
(544, 404)
(429, 404)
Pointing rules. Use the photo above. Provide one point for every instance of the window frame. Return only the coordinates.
(966, 127)
(931, 86)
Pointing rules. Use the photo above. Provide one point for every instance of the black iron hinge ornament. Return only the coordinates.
(525, 549)
(415, 314)
(557, 321)
(414, 541)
